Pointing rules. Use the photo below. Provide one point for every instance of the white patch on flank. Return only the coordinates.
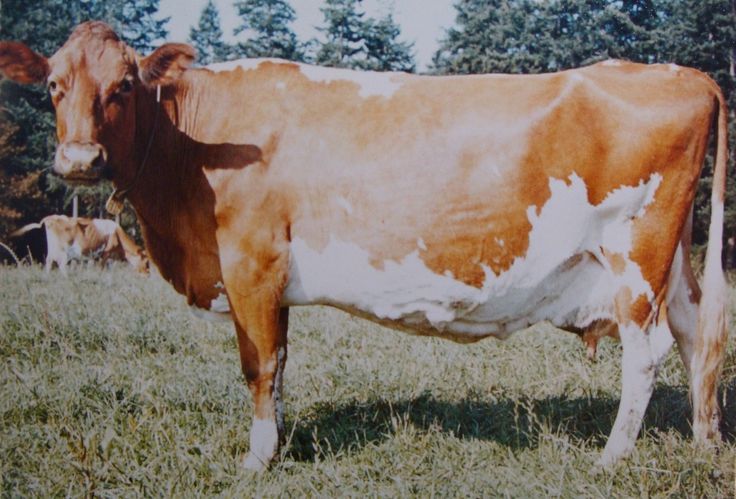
(344, 204)
(558, 279)
(421, 244)
(500, 242)
(280, 85)
(264, 439)
(673, 67)
(611, 62)
(371, 83)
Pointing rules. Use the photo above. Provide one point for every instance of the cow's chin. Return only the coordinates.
(88, 177)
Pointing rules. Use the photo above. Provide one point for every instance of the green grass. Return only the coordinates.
(110, 388)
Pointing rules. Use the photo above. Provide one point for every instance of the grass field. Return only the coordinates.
(110, 388)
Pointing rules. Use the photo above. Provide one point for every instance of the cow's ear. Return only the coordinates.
(166, 64)
(21, 64)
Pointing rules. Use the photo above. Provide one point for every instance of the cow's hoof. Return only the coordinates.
(253, 463)
(607, 461)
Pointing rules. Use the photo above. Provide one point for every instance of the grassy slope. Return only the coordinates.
(109, 386)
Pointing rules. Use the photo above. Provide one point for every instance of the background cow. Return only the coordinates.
(73, 238)
(459, 207)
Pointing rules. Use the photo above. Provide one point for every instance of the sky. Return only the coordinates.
(422, 22)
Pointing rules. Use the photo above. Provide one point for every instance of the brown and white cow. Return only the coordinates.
(462, 206)
(74, 238)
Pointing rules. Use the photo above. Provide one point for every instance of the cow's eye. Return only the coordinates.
(126, 86)
(53, 87)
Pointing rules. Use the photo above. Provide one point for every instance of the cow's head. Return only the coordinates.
(95, 81)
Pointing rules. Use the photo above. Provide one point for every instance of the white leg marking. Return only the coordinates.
(264, 440)
(640, 362)
(264, 434)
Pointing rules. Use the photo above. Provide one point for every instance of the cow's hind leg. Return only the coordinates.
(643, 351)
(683, 317)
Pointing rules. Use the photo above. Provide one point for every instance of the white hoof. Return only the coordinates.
(253, 463)
(609, 459)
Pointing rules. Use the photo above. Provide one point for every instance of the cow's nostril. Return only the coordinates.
(100, 158)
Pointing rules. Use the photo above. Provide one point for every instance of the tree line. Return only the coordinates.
(512, 36)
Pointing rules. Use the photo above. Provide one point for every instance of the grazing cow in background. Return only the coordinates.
(461, 206)
(73, 238)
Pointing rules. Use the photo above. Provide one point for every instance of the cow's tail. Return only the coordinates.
(710, 343)
(26, 228)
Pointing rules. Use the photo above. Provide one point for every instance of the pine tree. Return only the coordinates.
(530, 37)
(384, 51)
(207, 37)
(138, 26)
(344, 32)
(267, 24)
(491, 36)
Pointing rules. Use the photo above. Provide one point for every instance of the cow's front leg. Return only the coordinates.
(254, 291)
(263, 358)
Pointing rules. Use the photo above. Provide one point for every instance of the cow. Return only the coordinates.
(456, 206)
(73, 238)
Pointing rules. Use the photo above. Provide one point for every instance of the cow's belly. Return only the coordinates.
(409, 296)
(576, 262)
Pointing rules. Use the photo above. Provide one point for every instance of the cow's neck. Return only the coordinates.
(174, 202)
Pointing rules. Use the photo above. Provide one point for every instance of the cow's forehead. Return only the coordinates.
(102, 58)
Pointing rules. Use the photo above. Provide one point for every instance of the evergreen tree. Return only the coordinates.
(480, 43)
(267, 24)
(354, 42)
(207, 37)
(530, 37)
(384, 51)
(136, 23)
(344, 32)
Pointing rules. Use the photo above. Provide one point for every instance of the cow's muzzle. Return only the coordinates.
(82, 162)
